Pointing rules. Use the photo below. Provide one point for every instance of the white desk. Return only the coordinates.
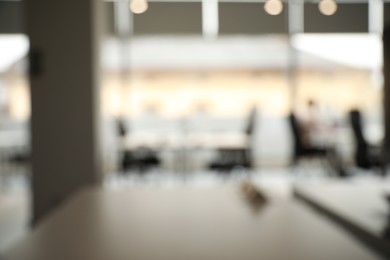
(358, 206)
(191, 140)
(178, 224)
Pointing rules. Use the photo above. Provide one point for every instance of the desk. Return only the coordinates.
(183, 223)
(187, 150)
(191, 140)
(358, 207)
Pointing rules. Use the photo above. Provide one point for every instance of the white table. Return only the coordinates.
(191, 140)
(183, 223)
(357, 206)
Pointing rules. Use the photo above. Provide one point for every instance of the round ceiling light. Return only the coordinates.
(138, 6)
(273, 7)
(327, 7)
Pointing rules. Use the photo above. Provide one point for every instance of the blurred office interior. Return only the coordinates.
(193, 94)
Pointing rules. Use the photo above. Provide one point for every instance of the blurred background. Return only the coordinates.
(201, 91)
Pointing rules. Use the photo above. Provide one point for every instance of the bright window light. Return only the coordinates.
(362, 51)
(12, 49)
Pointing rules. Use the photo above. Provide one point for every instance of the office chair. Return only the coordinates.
(231, 158)
(141, 158)
(304, 151)
(366, 156)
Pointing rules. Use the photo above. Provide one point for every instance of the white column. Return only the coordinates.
(375, 16)
(295, 25)
(295, 16)
(123, 18)
(210, 17)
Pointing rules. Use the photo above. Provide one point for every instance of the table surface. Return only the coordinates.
(360, 202)
(187, 140)
(357, 206)
(183, 223)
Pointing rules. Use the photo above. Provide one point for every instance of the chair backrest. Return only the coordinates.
(297, 134)
(251, 122)
(361, 152)
(246, 156)
(356, 123)
(121, 128)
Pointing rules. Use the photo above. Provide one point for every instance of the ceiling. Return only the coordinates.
(235, 17)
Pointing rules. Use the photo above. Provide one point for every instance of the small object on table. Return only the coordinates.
(253, 195)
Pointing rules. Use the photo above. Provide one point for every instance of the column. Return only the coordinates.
(64, 80)
(386, 91)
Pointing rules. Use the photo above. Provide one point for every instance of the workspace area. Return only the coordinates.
(158, 129)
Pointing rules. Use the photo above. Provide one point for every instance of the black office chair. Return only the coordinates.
(305, 151)
(366, 156)
(141, 158)
(231, 158)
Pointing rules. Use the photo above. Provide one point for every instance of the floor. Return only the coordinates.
(14, 208)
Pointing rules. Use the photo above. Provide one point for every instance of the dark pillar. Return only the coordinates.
(64, 79)
(386, 92)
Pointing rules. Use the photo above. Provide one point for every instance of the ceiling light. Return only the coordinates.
(273, 7)
(327, 7)
(138, 6)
